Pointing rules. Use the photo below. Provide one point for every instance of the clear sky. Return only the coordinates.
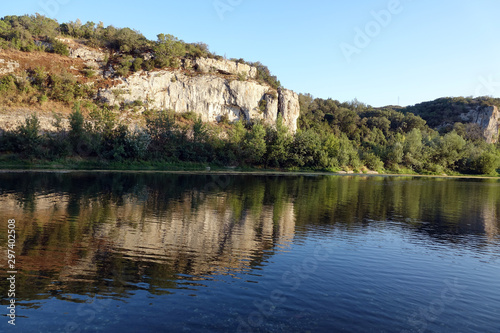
(378, 51)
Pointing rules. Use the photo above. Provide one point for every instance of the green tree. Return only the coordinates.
(77, 129)
(255, 144)
(167, 49)
(29, 143)
(278, 144)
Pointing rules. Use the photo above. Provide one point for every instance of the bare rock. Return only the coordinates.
(8, 66)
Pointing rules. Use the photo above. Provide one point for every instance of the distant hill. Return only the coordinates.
(444, 113)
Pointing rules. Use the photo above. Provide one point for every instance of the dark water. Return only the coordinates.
(139, 252)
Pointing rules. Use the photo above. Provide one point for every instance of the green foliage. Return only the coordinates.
(262, 105)
(29, 138)
(65, 88)
(124, 65)
(167, 49)
(103, 137)
(160, 126)
(305, 149)
(89, 72)
(242, 76)
(200, 133)
(59, 47)
(264, 75)
(254, 145)
(77, 130)
(448, 110)
(487, 163)
(278, 146)
(372, 161)
(138, 142)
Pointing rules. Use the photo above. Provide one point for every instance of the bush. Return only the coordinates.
(242, 76)
(60, 48)
(486, 164)
(29, 139)
(89, 72)
(372, 161)
(77, 129)
(262, 105)
(166, 50)
(138, 142)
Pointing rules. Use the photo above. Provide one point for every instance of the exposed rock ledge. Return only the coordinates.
(7, 66)
(210, 96)
(488, 118)
(208, 65)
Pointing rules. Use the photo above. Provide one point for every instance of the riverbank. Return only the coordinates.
(197, 168)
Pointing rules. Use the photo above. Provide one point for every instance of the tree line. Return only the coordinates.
(381, 140)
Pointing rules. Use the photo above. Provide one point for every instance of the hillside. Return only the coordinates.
(120, 68)
(81, 94)
(476, 116)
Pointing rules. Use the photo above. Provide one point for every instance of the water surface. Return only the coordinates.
(157, 252)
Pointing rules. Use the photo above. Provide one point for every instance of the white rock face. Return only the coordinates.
(8, 66)
(210, 96)
(207, 65)
(92, 58)
(289, 107)
(488, 118)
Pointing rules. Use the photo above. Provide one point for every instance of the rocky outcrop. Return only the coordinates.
(8, 66)
(215, 89)
(209, 95)
(12, 118)
(209, 65)
(289, 107)
(488, 118)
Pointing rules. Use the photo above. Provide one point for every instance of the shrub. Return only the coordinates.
(372, 161)
(167, 49)
(42, 99)
(89, 72)
(242, 76)
(138, 142)
(487, 164)
(77, 130)
(59, 47)
(29, 138)
(262, 105)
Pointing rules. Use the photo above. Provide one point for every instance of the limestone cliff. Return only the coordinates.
(210, 91)
(445, 112)
(212, 88)
(487, 117)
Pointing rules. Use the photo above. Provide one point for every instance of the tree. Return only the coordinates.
(29, 137)
(487, 163)
(278, 140)
(76, 123)
(305, 149)
(255, 144)
(166, 49)
(449, 149)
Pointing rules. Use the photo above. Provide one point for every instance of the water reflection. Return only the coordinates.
(113, 233)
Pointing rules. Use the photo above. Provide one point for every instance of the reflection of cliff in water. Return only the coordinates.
(153, 234)
(110, 232)
(212, 238)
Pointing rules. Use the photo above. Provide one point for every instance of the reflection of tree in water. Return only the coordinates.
(109, 232)
(442, 208)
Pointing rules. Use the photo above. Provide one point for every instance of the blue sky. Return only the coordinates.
(376, 51)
